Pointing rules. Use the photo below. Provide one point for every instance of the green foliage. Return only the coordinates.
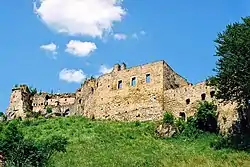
(233, 65)
(19, 151)
(48, 110)
(189, 129)
(137, 123)
(234, 141)
(204, 120)
(168, 118)
(32, 90)
(1, 114)
(32, 114)
(113, 143)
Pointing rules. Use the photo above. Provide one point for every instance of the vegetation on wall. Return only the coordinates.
(204, 120)
(48, 110)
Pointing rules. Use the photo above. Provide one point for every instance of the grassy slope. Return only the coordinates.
(105, 143)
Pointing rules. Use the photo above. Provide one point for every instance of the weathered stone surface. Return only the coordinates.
(141, 93)
(166, 130)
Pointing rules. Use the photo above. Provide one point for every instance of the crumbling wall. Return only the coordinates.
(172, 80)
(131, 100)
(20, 102)
(59, 103)
(185, 100)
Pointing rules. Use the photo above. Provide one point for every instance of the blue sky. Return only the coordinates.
(36, 48)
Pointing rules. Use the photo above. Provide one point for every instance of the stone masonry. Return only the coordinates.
(140, 93)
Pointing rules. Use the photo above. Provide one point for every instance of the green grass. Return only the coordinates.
(107, 143)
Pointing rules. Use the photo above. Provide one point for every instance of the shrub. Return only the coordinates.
(32, 90)
(49, 110)
(137, 123)
(1, 114)
(19, 151)
(206, 118)
(168, 118)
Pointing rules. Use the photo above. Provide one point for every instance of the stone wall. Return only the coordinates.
(124, 93)
(59, 103)
(142, 93)
(19, 102)
(184, 102)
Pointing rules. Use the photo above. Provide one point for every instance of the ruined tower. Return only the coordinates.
(20, 102)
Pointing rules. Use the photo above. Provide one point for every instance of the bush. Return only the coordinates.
(49, 110)
(19, 151)
(168, 118)
(206, 118)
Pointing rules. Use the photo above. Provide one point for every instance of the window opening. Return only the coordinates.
(120, 84)
(133, 82)
(148, 79)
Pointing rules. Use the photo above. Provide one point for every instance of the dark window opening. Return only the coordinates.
(46, 97)
(188, 101)
(120, 84)
(65, 99)
(182, 115)
(67, 112)
(212, 93)
(80, 101)
(108, 86)
(148, 78)
(92, 90)
(133, 82)
(203, 96)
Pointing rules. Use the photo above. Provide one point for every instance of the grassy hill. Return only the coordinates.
(107, 143)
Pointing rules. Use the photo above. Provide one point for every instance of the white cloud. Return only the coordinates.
(80, 17)
(142, 32)
(50, 48)
(119, 36)
(79, 48)
(135, 36)
(72, 75)
(104, 69)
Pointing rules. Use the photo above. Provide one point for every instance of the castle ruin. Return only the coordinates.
(140, 93)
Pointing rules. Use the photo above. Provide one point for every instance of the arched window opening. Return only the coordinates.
(212, 94)
(182, 115)
(203, 96)
(187, 101)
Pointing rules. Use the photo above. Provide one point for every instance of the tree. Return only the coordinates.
(19, 151)
(233, 66)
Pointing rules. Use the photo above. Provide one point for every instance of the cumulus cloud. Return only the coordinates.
(104, 69)
(120, 36)
(49, 48)
(72, 75)
(79, 48)
(80, 17)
